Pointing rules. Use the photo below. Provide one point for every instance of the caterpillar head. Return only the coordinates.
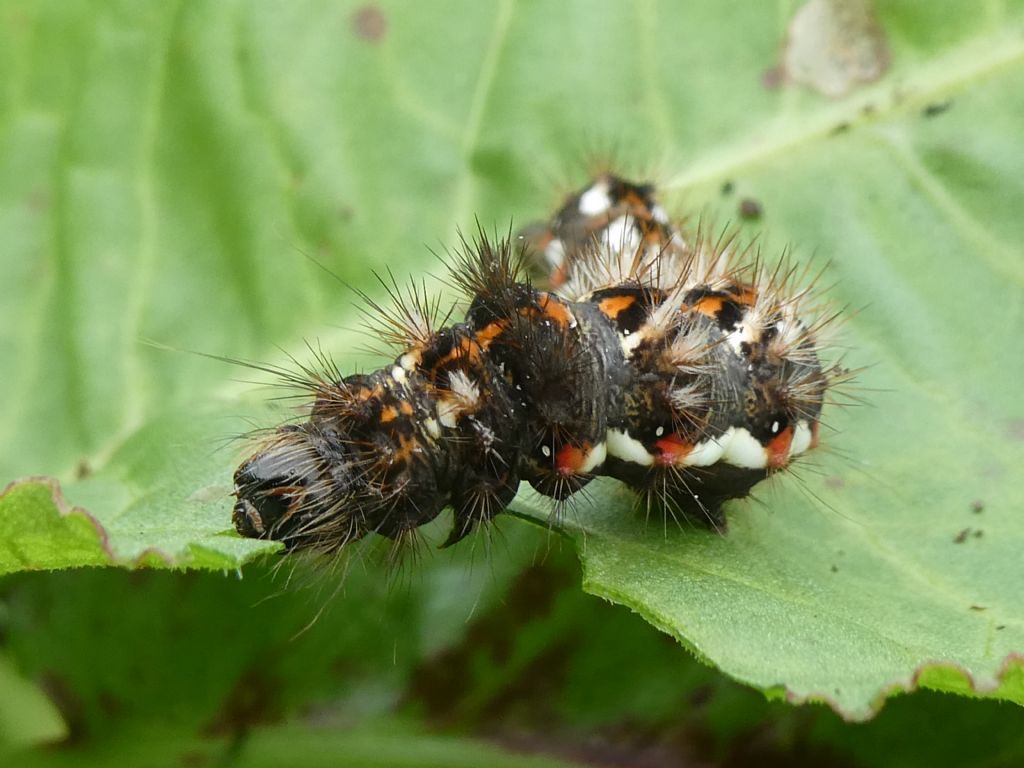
(294, 489)
(361, 464)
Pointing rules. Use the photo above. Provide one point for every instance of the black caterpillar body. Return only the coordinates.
(667, 364)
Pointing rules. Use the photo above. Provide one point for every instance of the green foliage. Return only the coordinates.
(163, 170)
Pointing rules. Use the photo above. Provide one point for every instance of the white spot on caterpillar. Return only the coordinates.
(622, 446)
(801, 438)
(464, 388)
(708, 452)
(546, 451)
(659, 432)
(775, 427)
(595, 200)
(595, 458)
(463, 397)
(622, 239)
(554, 254)
(448, 411)
(398, 373)
(745, 451)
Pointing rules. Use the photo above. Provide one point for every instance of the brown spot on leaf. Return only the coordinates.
(833, 46)
(961, 537)
(369, 23)
(750, 209)
(772, 79)
(977, 506)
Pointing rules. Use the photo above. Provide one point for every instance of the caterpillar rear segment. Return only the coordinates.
(657, 362)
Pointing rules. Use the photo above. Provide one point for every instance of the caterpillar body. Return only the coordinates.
(674, 364)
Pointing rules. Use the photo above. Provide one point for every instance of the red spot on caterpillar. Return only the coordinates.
(570, 458)
(671, 449)
(778, 449)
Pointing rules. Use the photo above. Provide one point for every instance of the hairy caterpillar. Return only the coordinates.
(676, 365)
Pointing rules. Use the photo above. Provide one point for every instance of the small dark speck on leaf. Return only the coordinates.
(369, 23)
(727, 187)
(977, 506)
(83, 469)
(1001, 626)
(840, 128)
(835, 568)
(979, 608)
(936, 108)
(962, 536)
(750, 209)
(979, 533)
(773, 78)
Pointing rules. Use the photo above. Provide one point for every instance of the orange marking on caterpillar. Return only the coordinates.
(554, 309)
(570, 458)
(710, 305)
(671, 449)
(468, 349)
(744, 295)
(614, 305)
(490, 332)
(778, 449)
(390, 413)
(559, 276)
(365, 393)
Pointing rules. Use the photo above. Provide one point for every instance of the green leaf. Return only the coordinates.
(389, 743)
(164, 167)
(26, 717)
